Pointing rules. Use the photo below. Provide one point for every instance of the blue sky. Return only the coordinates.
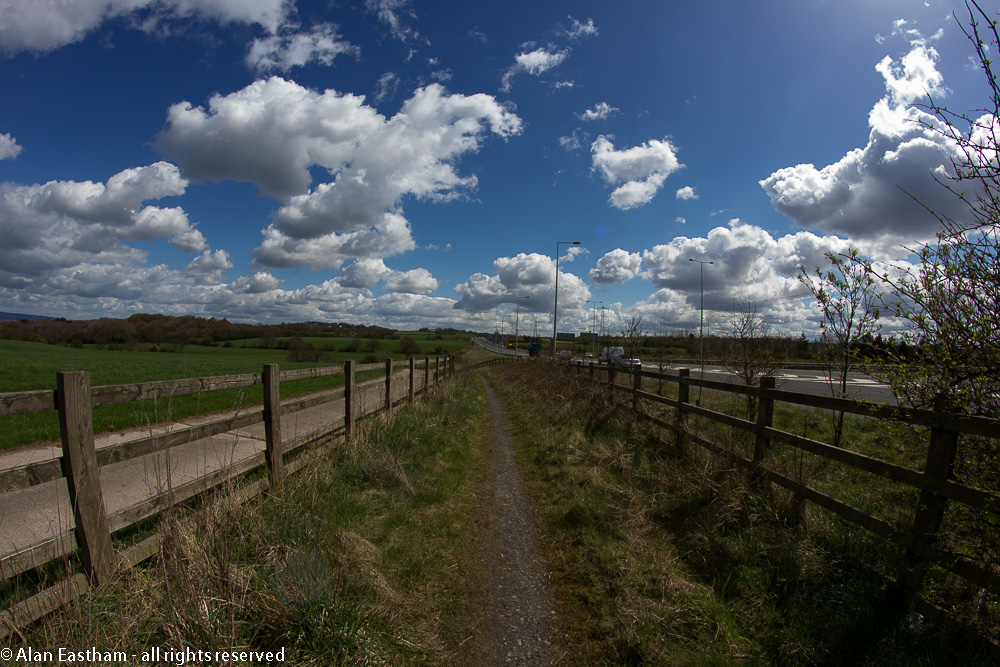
(412, 163)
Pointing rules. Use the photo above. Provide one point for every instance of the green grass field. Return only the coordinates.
(32, 366)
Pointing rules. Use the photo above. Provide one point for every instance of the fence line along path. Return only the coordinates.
(922, 537)
(56, 501)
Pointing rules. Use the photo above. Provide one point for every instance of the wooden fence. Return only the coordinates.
(80, 462)
(919, 540)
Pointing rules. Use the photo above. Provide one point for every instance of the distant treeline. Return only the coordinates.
(176, 332)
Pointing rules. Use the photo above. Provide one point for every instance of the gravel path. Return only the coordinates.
(521, 612)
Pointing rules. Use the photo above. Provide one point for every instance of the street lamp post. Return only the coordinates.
(555, 304)
(593, 334)
(701, 325)
(517, 320)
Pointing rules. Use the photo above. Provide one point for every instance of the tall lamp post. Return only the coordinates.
(593, 333)
(517, 320)
(701, 325)
(555, 305)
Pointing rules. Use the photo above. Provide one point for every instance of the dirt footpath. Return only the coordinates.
(521, 611)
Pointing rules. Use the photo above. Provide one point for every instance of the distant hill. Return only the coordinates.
(7, 317)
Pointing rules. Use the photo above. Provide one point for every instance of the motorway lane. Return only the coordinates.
(816, 382)
(41, 512)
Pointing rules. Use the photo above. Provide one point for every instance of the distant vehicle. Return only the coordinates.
(633, 363)
(611, 355)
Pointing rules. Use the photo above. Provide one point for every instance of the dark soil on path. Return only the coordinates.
(520, 615)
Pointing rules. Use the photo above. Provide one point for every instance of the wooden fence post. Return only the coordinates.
(437, 369)
(349, 399)
(680, 421)
(272, 426)
(427, 372)
(765, 417)
(388, 385)
(412, 373)
(79, 467)
(636, 388)
(931, 507)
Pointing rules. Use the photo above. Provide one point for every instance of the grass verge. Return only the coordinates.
(659, 559)
(369, 556)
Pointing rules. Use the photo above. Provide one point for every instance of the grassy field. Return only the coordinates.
(29, 366)
(369, 556)
(663, 558)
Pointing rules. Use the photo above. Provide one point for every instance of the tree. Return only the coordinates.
(849, 298)
(747, 348)
(632, 335)
(951, 299)
(409, 347)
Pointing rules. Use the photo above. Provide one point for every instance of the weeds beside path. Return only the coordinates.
(662, 556)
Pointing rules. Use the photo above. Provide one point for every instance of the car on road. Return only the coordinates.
(631, 363)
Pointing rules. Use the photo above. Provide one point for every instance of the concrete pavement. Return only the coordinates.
(42, 512)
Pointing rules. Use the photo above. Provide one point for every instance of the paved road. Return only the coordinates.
(815, 382)
(41, 512)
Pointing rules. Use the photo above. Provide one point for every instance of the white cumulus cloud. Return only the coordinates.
(643, 169)
(616, 267)
(527, 274)
(63, 224)
(579, 30)
(43, 25)
(747, 261)
(9, 147)
(868, 194)
(687, 192)
(273, 131)
(601, 111)
(367, 273)
(281, 53)
(396, 15)
(914, 77)
(532, 62)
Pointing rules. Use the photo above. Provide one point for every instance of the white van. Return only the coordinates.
(611, 355)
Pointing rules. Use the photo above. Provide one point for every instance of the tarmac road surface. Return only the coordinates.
(815, 382)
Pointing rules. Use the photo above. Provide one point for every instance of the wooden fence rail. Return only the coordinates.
(918, 541)
(80, 463)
